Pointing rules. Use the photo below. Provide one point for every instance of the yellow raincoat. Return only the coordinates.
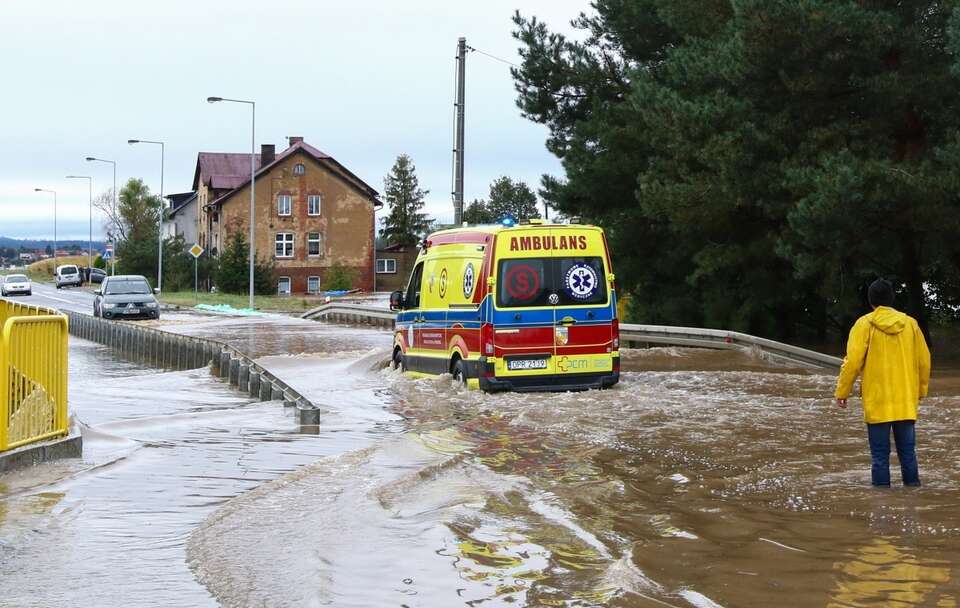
(888, 347)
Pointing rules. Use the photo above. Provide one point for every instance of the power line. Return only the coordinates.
(501, 60)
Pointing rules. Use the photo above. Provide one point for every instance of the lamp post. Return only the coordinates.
(113, 259)
(253, 130)
(160, 225)
(90, 245)
(54, 192)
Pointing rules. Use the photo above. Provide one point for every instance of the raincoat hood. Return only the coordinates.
(888, 320)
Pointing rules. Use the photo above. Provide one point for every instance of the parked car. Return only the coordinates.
(16, 283)
(67, 275)
(94, 275)
(126, 297)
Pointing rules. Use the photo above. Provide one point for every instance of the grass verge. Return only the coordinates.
(269, 303)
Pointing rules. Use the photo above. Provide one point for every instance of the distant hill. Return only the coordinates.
(6, 241)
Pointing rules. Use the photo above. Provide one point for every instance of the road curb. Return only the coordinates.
(70, 446)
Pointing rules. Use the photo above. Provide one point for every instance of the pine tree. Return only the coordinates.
(406, 224)
(730, 147)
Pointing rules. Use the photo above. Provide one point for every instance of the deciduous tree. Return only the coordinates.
(511, 198)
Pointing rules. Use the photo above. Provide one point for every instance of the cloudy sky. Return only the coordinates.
(363, 81)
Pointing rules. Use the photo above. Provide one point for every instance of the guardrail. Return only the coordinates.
(631, 336)
(352, 313)
(33, 374)
(664, 335)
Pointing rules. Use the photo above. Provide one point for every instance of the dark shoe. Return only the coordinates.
(913, 484)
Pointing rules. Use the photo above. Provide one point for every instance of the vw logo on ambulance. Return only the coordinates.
(536, 311)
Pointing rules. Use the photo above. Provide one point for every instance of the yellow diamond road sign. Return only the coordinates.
(196, 251)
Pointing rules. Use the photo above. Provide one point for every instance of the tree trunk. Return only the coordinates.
(916, 302)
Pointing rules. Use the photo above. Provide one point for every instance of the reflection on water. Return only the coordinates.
(883, 574)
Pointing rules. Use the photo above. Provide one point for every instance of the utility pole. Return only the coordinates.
(458, 141)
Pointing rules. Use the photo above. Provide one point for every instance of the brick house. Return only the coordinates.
(311, 212)
(394, 264)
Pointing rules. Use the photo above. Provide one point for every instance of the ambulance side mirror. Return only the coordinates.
(396, 300)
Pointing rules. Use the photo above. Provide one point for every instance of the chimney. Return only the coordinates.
(295, 140)
(267, 154)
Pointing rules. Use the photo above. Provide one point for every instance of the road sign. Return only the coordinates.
(196, 251)
(107, 253)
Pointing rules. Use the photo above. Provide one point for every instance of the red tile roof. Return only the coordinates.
(223, 168)
(239, 180)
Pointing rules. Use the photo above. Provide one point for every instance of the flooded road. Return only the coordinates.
(704, 479)
(164, 451)
(274, 334)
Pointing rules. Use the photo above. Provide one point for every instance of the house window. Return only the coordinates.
(313, 244)
(299, 169)
(284, 204)
(313, 285)
(284, 244)
(387, 266)
(283, 286)
(313, 204)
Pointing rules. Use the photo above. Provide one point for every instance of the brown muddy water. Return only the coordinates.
(705, 478)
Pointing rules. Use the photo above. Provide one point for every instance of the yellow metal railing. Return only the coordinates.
(33, 374)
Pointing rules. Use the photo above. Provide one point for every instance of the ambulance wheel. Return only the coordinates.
(459, 373)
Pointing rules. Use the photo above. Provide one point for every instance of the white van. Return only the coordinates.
(67, 275)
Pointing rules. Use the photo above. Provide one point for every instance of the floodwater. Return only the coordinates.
(274, 334)
(162, 452)
(704, 479)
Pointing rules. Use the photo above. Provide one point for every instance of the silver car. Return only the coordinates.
(68, 274)
(126, 297)
(15, 283)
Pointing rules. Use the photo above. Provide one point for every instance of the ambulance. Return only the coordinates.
(528, 307)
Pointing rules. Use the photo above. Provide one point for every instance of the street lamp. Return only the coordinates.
(90, 250)
(253, 130)
(54, 192)
(160, 225)
(113, 259)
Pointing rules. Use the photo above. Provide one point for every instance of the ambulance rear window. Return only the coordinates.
(574, 281)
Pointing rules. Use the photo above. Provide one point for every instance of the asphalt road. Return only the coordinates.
(69, 298)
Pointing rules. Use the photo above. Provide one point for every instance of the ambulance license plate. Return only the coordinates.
(526, 364)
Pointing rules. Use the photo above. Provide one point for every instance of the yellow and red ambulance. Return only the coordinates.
(529, 307)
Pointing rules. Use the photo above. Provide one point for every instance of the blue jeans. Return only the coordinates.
(906, 440)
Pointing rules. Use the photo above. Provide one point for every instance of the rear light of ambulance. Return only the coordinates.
(486, 338)
(615, 330)
(616, 364)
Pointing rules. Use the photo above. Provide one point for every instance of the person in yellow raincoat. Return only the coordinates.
(888, 347)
